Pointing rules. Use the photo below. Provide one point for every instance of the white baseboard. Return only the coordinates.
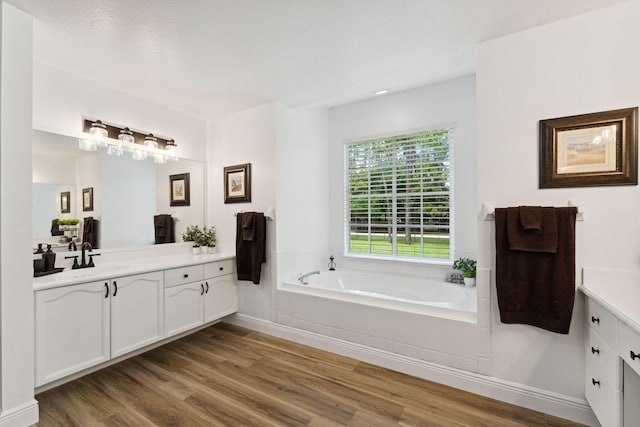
(555, 404)
(21, 416)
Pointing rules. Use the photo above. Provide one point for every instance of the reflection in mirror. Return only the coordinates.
(127, 193)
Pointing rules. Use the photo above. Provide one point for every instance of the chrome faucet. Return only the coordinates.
(303, 278)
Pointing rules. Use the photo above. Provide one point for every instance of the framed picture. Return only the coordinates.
(65, 202)
(179, 190)
(237, 183)
(588, 150)
(87, 199)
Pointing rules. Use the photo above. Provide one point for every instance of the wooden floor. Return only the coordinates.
(229, 376)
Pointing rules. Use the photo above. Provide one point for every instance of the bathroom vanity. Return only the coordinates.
(612, 351)
(95, 316)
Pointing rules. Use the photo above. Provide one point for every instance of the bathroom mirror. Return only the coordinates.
(124, 194)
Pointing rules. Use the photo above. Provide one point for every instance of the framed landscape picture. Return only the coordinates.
(87, 199)
(237, 183)
(65, 202)
(179, 190)
(590, 149)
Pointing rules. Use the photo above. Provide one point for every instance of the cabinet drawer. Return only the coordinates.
(602, 362)
(605, 401)
(603, 322)
(630, 343)
(219, 268)
(182, 275)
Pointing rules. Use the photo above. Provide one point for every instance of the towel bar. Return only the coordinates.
(488, 209)
(269, 214)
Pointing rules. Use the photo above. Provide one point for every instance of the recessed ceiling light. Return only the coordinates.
(381, 92)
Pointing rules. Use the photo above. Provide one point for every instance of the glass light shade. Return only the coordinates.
(87, 145)
(115, 149)
(151, 144)
(99, 133)
(139, 154)
(126, 140)
(160, 157)
(172, 150)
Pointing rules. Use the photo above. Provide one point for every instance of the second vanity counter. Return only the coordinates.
(110, 269)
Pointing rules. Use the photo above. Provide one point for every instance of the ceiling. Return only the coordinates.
(209, 58)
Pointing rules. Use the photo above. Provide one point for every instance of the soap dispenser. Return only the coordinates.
(49, 259)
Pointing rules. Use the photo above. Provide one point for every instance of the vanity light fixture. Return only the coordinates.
(119, 140)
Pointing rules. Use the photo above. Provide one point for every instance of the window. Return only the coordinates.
(398, 196)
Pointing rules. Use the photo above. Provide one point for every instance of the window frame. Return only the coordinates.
(346, 199)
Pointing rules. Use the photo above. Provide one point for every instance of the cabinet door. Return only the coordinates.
(183, 307)
(72, 329)
(220, 298)
(136, 312)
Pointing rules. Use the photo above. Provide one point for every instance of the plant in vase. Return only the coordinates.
(209, 238)
(193, 234)
(467, 267)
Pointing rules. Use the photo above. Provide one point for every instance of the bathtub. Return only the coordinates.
(394, 292)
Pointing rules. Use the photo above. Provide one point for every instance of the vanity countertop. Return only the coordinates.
(124, 268)
(620, 299)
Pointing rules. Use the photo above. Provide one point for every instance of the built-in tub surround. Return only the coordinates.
(391, 291)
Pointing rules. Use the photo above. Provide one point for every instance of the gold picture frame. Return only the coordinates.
(596, 149)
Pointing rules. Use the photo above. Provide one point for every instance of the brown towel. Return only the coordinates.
(250, 254)
(55, 228)
(90, 231)
(248, 229)
(164, 230)
(530, 217)
(543, 239)
(537, 288)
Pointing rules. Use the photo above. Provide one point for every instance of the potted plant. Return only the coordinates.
(209, 238)
(193, 234)
(467, 267)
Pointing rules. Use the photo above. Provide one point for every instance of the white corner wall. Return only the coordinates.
(17, 403)
(579, 65)
(245, 137)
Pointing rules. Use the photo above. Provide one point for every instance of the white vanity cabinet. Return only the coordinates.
(83, 325)
(137, 317)
(603, 367)
(188, 305)
(72, 329)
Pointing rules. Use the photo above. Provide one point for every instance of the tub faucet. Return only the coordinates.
(303, 278)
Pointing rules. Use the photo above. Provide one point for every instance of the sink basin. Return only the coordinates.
(100, 270)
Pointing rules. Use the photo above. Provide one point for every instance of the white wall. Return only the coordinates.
(447, 103)
(186, 215)
(60, 100)
(16, 295)
(245, 137)
(579, 65)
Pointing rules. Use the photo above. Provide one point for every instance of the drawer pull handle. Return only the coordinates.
(202, 287)
(595, 319)
(634, 356)
(185, 275)
(115, 288)
(207, 290)
(595, 382)
(595, 350)
(221, 268)
(106, 288)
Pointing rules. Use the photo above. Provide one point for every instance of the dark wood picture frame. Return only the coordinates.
(87, 199)
(179, 191)
(588, 150)
(65, 202)
(237, 183)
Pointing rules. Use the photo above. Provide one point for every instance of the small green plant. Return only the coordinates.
(71, 221)
(193, 234)
(466, 266)
(209, 236)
